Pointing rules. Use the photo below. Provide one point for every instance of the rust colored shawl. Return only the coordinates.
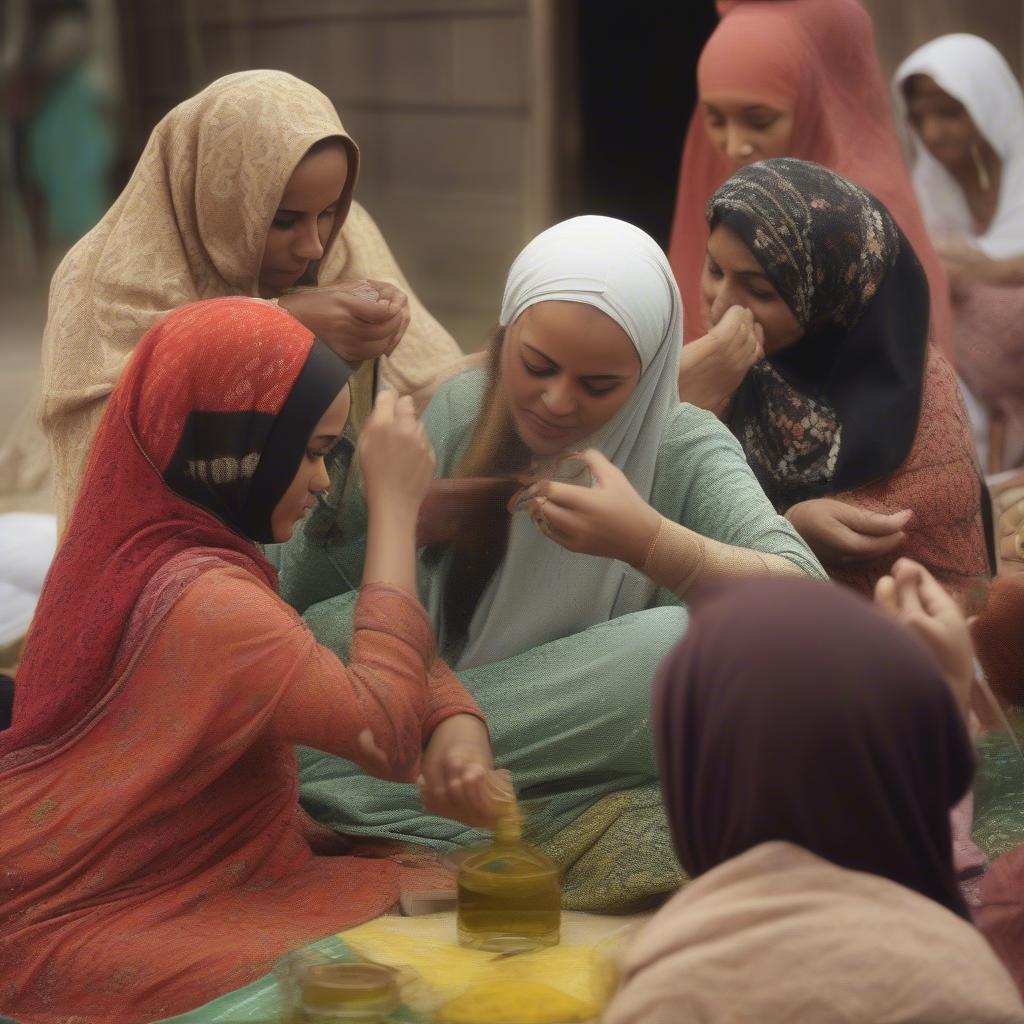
(154, 854)
(191, 224)
(817, 56)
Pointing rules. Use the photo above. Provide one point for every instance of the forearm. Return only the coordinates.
(681, 559)
(391, 546)
(383, 687)
(447, 698)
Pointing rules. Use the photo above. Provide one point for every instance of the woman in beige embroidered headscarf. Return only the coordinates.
(202, 216)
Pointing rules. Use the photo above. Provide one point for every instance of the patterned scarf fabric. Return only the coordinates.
(808, 416)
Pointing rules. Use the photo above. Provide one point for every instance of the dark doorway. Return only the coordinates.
(637, 87)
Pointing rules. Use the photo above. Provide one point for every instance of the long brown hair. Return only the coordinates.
(495, 450)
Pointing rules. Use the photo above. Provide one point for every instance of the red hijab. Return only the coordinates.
(817, 56)
(201, 438)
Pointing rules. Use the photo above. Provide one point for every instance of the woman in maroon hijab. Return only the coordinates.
(811, 749)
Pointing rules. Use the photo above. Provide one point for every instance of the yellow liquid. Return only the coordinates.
(346, 992)
(508, 896)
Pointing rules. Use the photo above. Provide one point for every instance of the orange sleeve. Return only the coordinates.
(446, 696)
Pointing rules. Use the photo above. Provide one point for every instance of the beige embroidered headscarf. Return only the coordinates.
(192, 224)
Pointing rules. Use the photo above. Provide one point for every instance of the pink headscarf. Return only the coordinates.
(817, 57)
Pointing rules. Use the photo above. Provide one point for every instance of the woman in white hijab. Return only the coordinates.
(963, 115)
(556, 606)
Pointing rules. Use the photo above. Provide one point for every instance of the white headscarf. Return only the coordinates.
(541, 591)
(975, 73)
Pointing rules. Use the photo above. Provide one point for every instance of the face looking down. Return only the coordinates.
(305, 217)
(566, 370)
(941, 121)
(746, 131)
(311, 478)
(732, 276)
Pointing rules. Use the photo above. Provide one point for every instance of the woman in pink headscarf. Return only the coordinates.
(785, 78)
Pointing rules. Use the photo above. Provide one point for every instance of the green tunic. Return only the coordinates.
(569, 718)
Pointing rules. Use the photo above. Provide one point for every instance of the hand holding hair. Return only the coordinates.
(361, 320)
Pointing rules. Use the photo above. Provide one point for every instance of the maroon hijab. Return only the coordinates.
(794, 710)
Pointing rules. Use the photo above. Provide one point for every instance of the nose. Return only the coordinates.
(320, 480)
(737, 147)
(720, 301)
(307, 243)
(558, 397)
(930, 130)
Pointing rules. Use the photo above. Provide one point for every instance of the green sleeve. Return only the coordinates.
(703, 481)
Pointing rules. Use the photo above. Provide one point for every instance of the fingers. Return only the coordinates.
(886, 596)
(558, 524)
(465, 788)
(934, 598)
(372, 759)
(569, 496)
(602, 469)
(873, 524)
(759, 338)
(405, 410)
(384, 406)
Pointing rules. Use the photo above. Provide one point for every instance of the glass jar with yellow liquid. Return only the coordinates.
(509, 898)
(318, 991)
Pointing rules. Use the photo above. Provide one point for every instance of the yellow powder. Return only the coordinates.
(515, 1002)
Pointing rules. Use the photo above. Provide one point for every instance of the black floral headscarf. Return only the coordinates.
(839, 407)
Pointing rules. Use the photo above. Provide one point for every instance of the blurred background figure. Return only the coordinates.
(963, 116)
(60, 130)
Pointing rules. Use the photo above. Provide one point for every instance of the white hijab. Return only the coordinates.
(975, 73)
(541, 591)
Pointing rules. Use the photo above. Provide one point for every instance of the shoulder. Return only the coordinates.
(691, 431)
(213, 590)
(455, 407)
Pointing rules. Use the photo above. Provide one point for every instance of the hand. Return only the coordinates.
(711, 368)
(375, 762)
(1011, 537)
(458, 777)
(395, 456)
(360, 320)
(841, 534)
(911, 595)
(608, 519)
(966, 264)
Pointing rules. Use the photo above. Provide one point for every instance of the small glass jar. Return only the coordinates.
(315, 990)
(509, 897)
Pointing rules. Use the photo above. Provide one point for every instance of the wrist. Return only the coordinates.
(647, 534)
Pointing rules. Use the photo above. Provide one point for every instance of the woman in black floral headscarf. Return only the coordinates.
(852, 422)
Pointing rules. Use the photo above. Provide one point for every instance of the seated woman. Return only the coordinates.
(557, 613)
(810, 751)
(964, 112)
(796, 78)
(852, 422)
(153, 849)
(244, 189)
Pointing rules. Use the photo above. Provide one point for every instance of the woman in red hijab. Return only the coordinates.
(786, 78)
(152, 847)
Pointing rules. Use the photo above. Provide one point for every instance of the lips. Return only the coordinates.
(543, 427)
